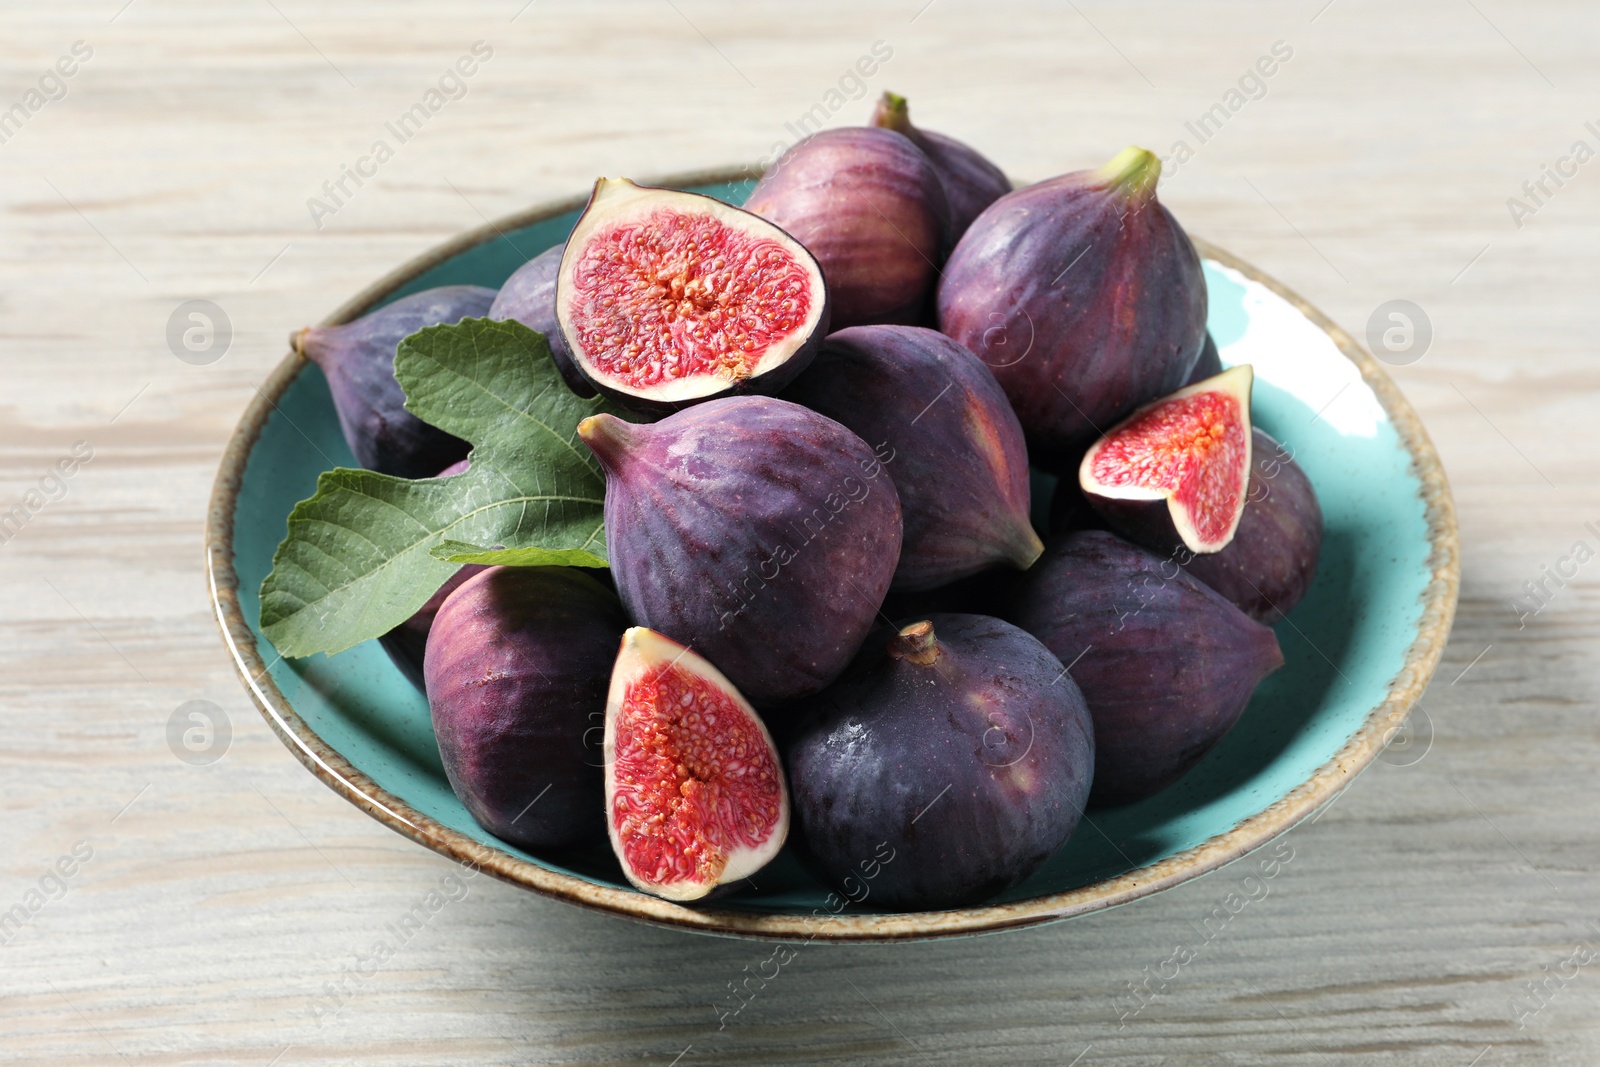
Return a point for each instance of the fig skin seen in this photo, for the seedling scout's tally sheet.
(1070, 509)
(971, 183)
(529, 296)
(358, 360)
(407, 643)
(950, 441)
(757, 532)
(872, 210)
(1085, 298)
(965, 755)
(1165, 663)
(1272, 559)
(1209, 365)
(517, 668)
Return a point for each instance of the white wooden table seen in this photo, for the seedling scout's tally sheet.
(210, 910)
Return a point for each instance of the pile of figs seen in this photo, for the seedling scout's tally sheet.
(828, 604)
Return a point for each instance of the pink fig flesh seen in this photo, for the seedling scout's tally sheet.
(694, 787)
(1177, 471)
(666, 298)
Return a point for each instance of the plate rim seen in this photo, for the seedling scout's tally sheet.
(328, 765)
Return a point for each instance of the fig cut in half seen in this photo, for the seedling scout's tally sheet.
(695, 792)
(665, 298)
(1175, 474)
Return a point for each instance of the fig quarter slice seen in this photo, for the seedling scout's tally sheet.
(695, 791)
(1175, 473)
(665, 298)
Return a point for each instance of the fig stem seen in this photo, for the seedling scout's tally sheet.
(1132, 172)
(916, 644)
(607, 436)
(892, 113)
(1026, 548)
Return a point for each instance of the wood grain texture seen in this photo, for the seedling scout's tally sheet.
(225, 907)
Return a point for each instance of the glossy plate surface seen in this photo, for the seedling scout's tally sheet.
(1359, 649)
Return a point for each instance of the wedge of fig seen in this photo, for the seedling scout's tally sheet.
(971, 183)
(1175, 474)
(1165, 663)
(1269, 564)
(871, 207)
(667, 298)
(754, 530)
(407, 643)
(958, 458)
(945, 767)
(694, 787)
(1084, 296)
(529, 296)
(1209, 365)
(516, 668)
(358, 360)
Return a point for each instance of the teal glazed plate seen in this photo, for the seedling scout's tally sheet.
(1359, 649)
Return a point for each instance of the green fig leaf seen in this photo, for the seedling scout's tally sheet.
(460, 552)
(360, 556)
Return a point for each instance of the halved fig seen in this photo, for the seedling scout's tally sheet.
(666, 298)
(695, 792)
(1175, 474)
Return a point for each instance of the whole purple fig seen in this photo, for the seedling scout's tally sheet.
(407, 643)
(753, 530)
(943, 768)
(1269, 564)
(517, 669)
(1165, 663)
(358, 360)
(871, 208)
(1084, 296)
(529, 296)
(971, 183)
(950, 441)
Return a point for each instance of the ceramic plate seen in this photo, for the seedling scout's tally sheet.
(1359, 649)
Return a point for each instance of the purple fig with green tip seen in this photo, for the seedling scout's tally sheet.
(971, 183)
(753, 530)
(1085, 298)
(871, 208)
